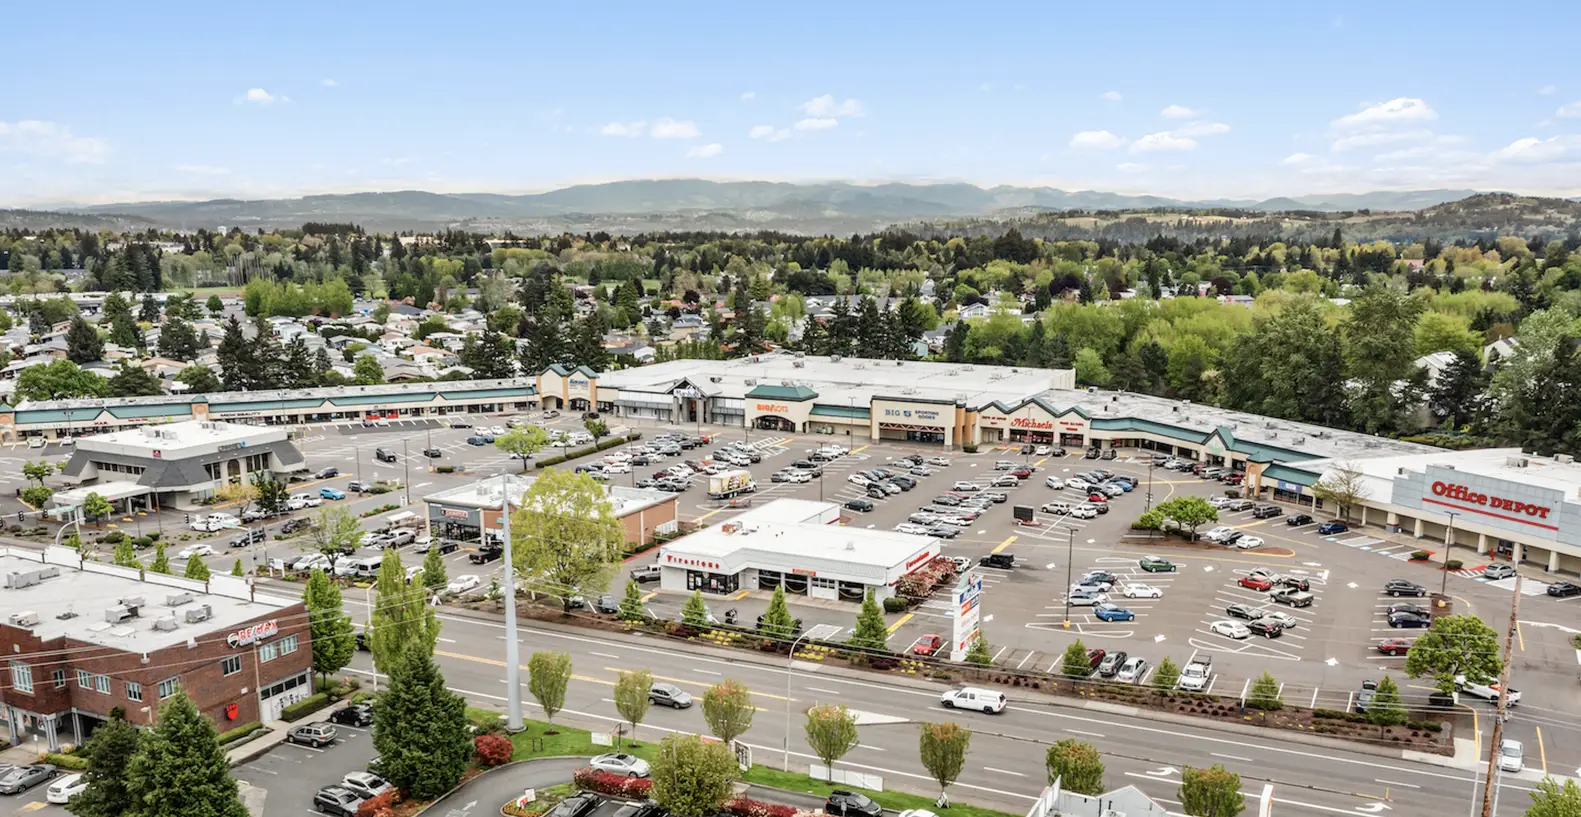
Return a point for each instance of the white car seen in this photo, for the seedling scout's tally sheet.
(215, 521)
(1081, 598)
(620, 763)
(1142, 591)
(1078, 484)
(62, 790)
(913, 529)
(1084, 511)
(1230, 629)
(366, 785)
(1280, 617)
(859, 480)
(1218, 533)
(498, 431)
(1056, 508)
(617, 468)
(413, 572)
(312, 561)
(299, 501)
(195, 550)
(1132, 670)
(965, 487)
(1054, 482)
(798, 476)
(462, 584)
(1512, 756)
(1219, 501)
(1045, 450)
(1248, 542)
(939, 461)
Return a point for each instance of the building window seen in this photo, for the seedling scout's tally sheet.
(827, 584)
(288, 645)
(168, 687)
(102, 683)
(84, 679)
(268, 652)
(134, 691)
(59, 677)
(231, 664)
(21, 677)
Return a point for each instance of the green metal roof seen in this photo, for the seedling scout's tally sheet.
(1148, 427)
(793, 393)
(566, 371)
(840, 411)
(266, 405)
(128, 412)
(55, 415)
(525, 391)
(1286, 473)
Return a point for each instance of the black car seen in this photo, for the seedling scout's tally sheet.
(337, 800)
(1029, 449)
(354, 715)
(1292, 582)
(1298, 519)
(1407, 607)
(947, 499)
(1243, 611)
(580, 804)
(1564, 590)
(1004, 560)
(943, 531)
(1265, 511)
(862, 505)
(1409, 620)
(460, 423)
(1090, 454)
(485, 555)
(433, 453)
(850, 804)
(1401, 587)
(645, 808)
(1101, 576)
(294, 525)
(1111, 664)
(607, 605)
(331, 471)
(1265, 628)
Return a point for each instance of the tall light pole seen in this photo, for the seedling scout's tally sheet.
(1489, 793)
(819, 631)
(406, 463)
(1149, 505)
(1449, 542)
(513, 718)
(1070, 551)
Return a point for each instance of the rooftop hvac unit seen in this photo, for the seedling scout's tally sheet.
(1516, 462)
(1299, 440)
(1564, 458)
(200, 613)
(135, 603)
(166, 624)
(751, 381)
(787, 382)
(27, 618)
(799, 364)
(116, 615)
(1092, 389)
(800, 355)
(178, 599)
(1273, 435)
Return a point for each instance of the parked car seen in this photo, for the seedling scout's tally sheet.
(1279, 617)
(61, 791)
(1294, 520)
(1499, 571)
(927, 645)
(1265, 511)
(861, 505)
(1401, 587)
(337, 800)
(360, 714)
(1331, 527)
(1230, 629)
(1265, 628)
(669, 695)
(1255, 582)
(1407, 607)
(620, 763)
(1294, 598)
(1111, 664)
(1085, 598)
(581, 804)
(1410, 620)
(464, 583)
(1564, 590)
(1395, 646)
(18, 779)
(1156, 564)
(316, 734)
(1112, 612)
(1142, 591)
(331, 493)
(365, 784)
(1244, 611)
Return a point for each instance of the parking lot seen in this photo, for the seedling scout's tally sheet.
(288, 775)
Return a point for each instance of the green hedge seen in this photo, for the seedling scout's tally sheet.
(66, 761)
(612, 442)
(240, 732)
(895, 604)
(306, 706)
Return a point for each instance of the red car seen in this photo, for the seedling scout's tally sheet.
(1097, 499)
(1256, 582)
(1021, 473)
(1394, 646)
(1233, 478)
(927, 645)
(1095, 657)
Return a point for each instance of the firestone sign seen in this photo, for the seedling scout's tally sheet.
(1461, 493)
(247, 636)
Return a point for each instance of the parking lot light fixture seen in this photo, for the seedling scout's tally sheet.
(1070, 550)
(817, 633)
(1449, 543)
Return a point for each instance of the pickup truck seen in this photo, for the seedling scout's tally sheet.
(1488, 692)
(1196, 675)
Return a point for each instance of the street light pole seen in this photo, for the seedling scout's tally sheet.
(406, 463)
(1449, 542)
(790, 659)
(513, 721)
(1149, 505)
(1070, 549)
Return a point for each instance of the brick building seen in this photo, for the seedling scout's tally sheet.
(82, 638)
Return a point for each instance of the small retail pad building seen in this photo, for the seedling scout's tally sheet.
(81, 638)
(796, 544)
(470, 514)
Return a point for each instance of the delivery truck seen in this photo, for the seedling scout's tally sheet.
(728, 484)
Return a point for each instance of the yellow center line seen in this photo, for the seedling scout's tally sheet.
(706, 515)
(739, 596)
(1542, 751)
(650, 595)
(899, 621)
(1005, 544)
(1476, 724)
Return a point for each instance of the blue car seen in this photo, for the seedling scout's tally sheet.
(331, 493)
(1332, 527)
(1113, 612)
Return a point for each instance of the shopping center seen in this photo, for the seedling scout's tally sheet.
(470, 514)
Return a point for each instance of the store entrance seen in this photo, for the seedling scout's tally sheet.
(770, 422)
(712, 582)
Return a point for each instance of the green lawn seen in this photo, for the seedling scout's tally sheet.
(571, 741)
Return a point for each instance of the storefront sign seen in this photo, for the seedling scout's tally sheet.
(250, 635)
(455, 514)
(675, 560)
(1070, 425)
(1461, 493)
(918, 560)
(1028, 422)
(804, 572)
(773, 408)
(912, 414)
(232, 446)
(989, 420)
(578, 384)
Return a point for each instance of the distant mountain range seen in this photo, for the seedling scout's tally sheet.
(692, 204)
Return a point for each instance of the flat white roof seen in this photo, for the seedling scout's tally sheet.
(175, 438)
(1492, 463)
(485, 493)
(775, 532)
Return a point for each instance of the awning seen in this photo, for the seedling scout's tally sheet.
(113, 491)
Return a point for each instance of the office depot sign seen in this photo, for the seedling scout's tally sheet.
(1461, 493)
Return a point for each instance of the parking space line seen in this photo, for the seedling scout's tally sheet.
(898, 622)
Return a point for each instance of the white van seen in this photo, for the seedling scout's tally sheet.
(403, 519)
(983, 700)
(359, 567)
(579, 438)
(215, 521)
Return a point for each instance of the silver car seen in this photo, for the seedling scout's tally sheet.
(621, 764)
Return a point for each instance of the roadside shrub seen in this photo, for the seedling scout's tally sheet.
(969, 448)
(380, 805)
(141, 542)
(895, 604)
(114, 537)
(72, 762)
(1452, 564)
(306, 706)
(612, 784)
(37, 495)
(379, 489)
(492, 750)
(747, 807)
(233, 735)
(445, 469)
(1419, 555)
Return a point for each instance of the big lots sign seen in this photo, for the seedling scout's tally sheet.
(1461, 493)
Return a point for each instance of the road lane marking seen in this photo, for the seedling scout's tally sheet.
(824, 691)
(899, 621)
(1088, 734)
(605, 654)
(1002, 771)
(1542, 750)
(699, 684)
(1232, 757)
(1396, 783)
(706, 671)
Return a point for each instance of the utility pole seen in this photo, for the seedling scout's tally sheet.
(1070, 550)
(513, 682)
(1449, 542)
(1149, 505)
(1488, 792)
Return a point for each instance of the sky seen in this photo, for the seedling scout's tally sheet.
(1190, 100)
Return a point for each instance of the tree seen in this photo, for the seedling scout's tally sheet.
(831, 732)
(200, 379)
(1456, 396)
(1167, 676)
(728, 709)
(420, 728)
(1265, 694)
(565, 535)
(37, 471)
(161, 563)
(691, 777)
(778, 623)
(180, 770)
(871, 633)
(548, 675)
(215, 306)
(237, 570)
(96, 506)
(334, 641)
(1191, 512)
(82, 342)
(1211, 792)
(1456, 646)
(196, 569)
(1550, 799)
(631, 608)
(695, 613)
(1380, 351)
(1075, 663)
(978, 654)
(59, 380)
(109, 752)
(435, 576)
(523, 443)
(1077, 766)
(943, 748)
(125, 554)
(1090, 370)
(149, 313)
(597, 429)
(336, 531)
(1385, 708)
(270, 493)
(1344, 486)
(131, 380)
(367, 371)
(402, 619)
(631, 697)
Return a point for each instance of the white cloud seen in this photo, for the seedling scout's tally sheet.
(1202, 129)
(705, 151)
(204, 170)
(1398, 111)
(397, 160)
(748, 96)
(1372, 140)
(259, 96)
(768, 132)
(1531, 150)
(1571, 111)
(1130, 167)
(667, 128)
(1163, 140)
(1096, 140)
(1111, 96)
(623, 129)
(328, 83)
(51, 141)
(1179, 112)
(1548, 90)
(813, 123)
(826, 106)
(1295, 159)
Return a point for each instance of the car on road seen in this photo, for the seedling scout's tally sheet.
(1296, 519)
(464, 583)
(983, 700)
(845, 803)
(1112, 612)
(64, 789)
(190, 551)
(1111, 664)
(861, 505)
(620, 763)
(1142, 591)
(1156, 564)
(360, 714)
(331, 493)
(1082, 598)
(327, 473)
(1395, 646)
(1265, 628)
(337, 800)
(1498, 571)
(1255, 582)
(669, 695)
(1564, 590)
(19, 779)
(1245, 611)
(1332, 526)
(927, 645)
(365, 784)
(1411, 620)
(1511, 756)
(1230, 629)
(316, 734)
(1401, 587)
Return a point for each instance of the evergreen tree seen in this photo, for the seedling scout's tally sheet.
(777, 619)
(266, 355)
(815, 337)
(979, 654)
(955, 343)
(328, 625)
(150, 310)
(109, 752)
(196, 569)
(367, 371)
(589, 348)
(235, 357)
(296, 369)
(124, 332)
(178, 340)
(82, 342)
(180, 769)
(871, 633)
(125, 554)
(402, 617)
(237, 570)
(161, 563)
(631, 608)
(131, 380)
(435, 576)
(695, 613)
(420, 728)
(200, 380)
(321, 364)
(215, 306)
(1456, 397)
